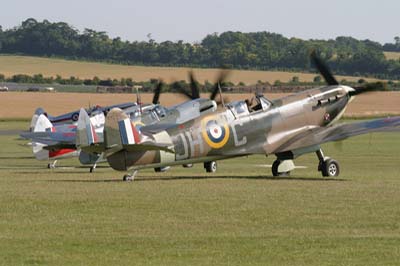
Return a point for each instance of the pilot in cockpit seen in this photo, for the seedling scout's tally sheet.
(254, 104)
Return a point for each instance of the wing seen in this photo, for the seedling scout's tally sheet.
(322, 135)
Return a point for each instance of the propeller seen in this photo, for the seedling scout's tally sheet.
(157, 92)
(323, 69)
(217, 86)
(330, 79)
(194, 85)
(366, 88)
(195, 90)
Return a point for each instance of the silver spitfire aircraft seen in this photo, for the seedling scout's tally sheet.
(286, 127)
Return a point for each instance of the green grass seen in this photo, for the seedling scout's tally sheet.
(238, 216)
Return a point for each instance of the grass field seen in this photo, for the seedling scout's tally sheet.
(392, 55)
(10, 65)
(238, 216)
(23, 104)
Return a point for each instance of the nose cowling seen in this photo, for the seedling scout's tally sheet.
(349, 90)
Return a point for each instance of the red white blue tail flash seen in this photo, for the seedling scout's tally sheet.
(129, 134)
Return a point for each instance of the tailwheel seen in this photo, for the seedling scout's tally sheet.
(275, 169)
(130, 177)
(127, 178)
(330, 168)
(52, 165)
(161, 169)
(211, 167)
(188, 165)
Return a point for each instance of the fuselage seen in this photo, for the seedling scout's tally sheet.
(239, 130)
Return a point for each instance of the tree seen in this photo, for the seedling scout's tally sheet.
(295, 80)
(255, 50)
(1, 37)
(317, 79)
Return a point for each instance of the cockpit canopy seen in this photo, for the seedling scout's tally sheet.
(238, 108)
(257, 103)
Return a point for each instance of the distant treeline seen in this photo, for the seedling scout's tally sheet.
(259, 50)
(177, 86)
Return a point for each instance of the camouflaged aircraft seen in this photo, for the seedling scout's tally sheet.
(72, 117)
(53, 142)
(288, 128)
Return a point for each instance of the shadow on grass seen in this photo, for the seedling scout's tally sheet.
(17, 157)
(172, 178)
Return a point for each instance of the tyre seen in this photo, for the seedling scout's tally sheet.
(330, 168)
(127, 178)
(275, 167)
(211, 167)
(161, 169)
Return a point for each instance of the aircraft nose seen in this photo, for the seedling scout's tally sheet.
(349, 90)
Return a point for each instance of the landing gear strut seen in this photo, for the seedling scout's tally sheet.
(130, 177)
(211, 167)
(52, 165)
(327, 166)
(93, 167)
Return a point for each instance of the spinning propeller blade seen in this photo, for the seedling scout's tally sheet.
(157, 92)
(323, 69)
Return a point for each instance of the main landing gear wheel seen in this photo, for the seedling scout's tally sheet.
(327, 166)
(275, 171)
(211, 167)
(330, 168)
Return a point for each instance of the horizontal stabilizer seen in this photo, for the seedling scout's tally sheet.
(94, 148)
(60, 146)
(147, 146)
(142, 147)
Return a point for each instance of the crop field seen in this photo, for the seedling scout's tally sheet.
(237, 216)
(392, 55)
(10, 65)
(23, 104)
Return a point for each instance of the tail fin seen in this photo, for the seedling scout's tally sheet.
(35, 117)
(120, 133)
(43, 124)
(119, 130)
(86, 134)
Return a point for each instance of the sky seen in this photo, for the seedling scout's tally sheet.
(191, 21)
